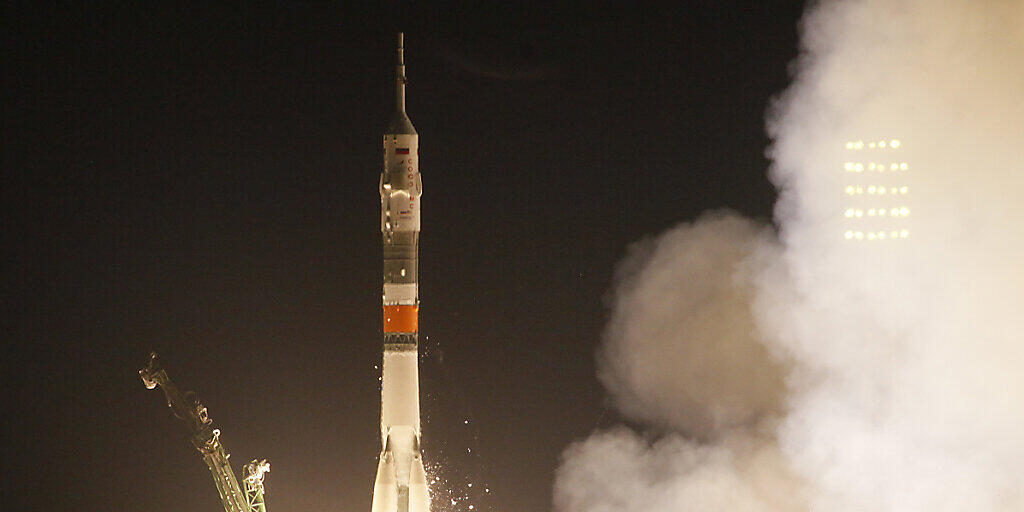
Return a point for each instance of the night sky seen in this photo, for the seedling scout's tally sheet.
(202, 182)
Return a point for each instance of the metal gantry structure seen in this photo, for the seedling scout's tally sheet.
(206, 439)
(253, 483)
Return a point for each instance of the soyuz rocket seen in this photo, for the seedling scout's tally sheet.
(401, 484)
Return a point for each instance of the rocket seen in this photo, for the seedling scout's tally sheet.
(401, 484)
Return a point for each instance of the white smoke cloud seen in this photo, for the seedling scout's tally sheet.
(683, 355)
(619, 471)
(903, 358)
(914, 347)
(683, 349)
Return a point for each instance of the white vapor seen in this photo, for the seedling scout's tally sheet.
(682, 330)
(683, 355)
(812, 372)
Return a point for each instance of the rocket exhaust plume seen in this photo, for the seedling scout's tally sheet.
(899, 357)
(401, 483)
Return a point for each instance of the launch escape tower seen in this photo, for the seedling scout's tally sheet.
(875, 188)
(206, 439)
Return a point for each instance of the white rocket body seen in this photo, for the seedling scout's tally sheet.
(401, 484)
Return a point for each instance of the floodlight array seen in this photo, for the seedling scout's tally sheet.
(875, 191)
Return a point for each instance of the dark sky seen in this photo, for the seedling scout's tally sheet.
(203, 182)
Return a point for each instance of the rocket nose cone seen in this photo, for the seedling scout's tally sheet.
(400, 125)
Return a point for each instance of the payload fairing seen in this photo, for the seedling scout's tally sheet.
(401, 484)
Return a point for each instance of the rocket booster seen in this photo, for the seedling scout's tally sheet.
(401, 484)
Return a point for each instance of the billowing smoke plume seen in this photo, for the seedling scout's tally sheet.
(913, 349)
(833, 369)
(683, 354)
(682, 330)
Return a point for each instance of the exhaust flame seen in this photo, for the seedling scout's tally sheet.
(819, 371)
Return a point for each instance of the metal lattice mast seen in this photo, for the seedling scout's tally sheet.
(204, 437)
(253, 482)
